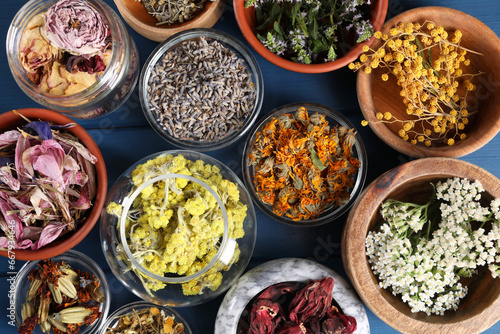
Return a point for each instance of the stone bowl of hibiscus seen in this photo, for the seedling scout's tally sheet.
(53, 184)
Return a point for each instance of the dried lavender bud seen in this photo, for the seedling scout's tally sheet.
(201, 91)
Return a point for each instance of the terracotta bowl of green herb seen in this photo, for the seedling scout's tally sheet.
(420, 247)
(53, 178)
(442, 102)
(304, 164)
(334, 40)
(166, 22)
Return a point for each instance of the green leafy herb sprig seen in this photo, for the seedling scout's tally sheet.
(311, 31)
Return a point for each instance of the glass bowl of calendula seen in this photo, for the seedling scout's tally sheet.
(304, 164)
(144, 317)
(178, 228)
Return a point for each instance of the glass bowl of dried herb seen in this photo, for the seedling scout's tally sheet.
(201, 89)
(148, 317)
(426, 85)
(62, 293)
(304, 164)
(179, 228)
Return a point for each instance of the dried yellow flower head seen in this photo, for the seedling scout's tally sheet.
(430, 67)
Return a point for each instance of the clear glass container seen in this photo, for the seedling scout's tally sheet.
(116, 229)
(76, 260)
(232, 44)
(133, 307)
(333, 118)
(107, 94)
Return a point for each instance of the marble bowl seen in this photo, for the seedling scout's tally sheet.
(374, 95)
(410, 183)
(285, 270)
(141, 21)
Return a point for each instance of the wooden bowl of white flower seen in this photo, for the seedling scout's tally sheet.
(421, 246)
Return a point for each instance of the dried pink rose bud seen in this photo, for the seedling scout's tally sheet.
(313, 301)
(76, 27)
(265, 317)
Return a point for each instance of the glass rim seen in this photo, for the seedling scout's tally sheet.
(127, 203)
(239, 49)
(331, 213)
(91, 93)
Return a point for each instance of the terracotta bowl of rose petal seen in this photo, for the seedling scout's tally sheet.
(247, 23)
(11, 121)
(136, 15)
(375, 95)
(410, 182)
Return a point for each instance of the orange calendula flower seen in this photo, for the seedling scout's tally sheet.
(306, 165)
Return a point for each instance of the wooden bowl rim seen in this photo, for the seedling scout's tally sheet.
(356, 228)
(213, 10)
(378, 19)
(366, 103)
(60, 246)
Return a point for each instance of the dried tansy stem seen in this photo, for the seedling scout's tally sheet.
(302, 166)
(56, 303)
(429, 65)
(147, 321)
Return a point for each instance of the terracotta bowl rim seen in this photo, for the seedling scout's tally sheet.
(393, 140)
(239, 11)
(59, 247)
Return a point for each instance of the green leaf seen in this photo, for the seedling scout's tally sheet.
(316, 160)
(278, 29)
(331, 53)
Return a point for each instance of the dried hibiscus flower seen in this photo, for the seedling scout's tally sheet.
(296, 308)
(47, 182)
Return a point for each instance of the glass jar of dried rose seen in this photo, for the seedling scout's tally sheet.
(72, 56)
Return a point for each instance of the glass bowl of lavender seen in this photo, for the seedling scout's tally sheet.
(201, 89)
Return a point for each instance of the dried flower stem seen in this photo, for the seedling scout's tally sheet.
(429, 68)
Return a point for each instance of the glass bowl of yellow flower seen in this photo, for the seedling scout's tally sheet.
(304, 164)
(178, 228)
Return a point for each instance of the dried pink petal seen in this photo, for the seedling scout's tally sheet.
(9, 180)
(9, 138)
(49, 234)
(46, 158)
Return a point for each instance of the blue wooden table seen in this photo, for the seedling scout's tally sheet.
(125, 137)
